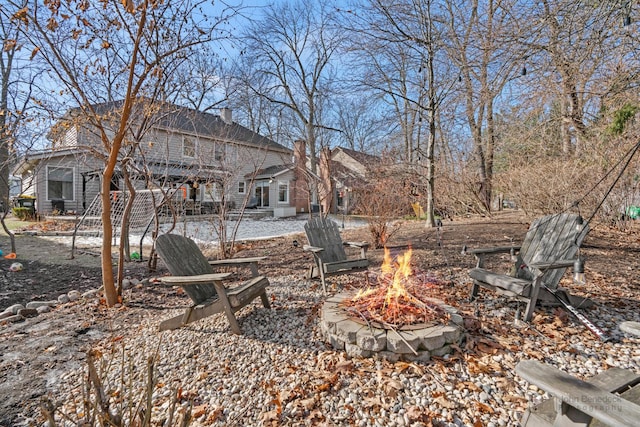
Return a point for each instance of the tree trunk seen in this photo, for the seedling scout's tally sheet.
(431, 143)
(110, 292)
(124, 251)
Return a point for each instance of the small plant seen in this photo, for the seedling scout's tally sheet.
(382, 203)
(23, 214)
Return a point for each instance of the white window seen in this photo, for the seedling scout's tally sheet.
(242, 187)
(188, 147)
(219, 153)
(283, 192)
(59, 183)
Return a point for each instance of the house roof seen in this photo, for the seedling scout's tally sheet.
(33, 157)
(344, 176)
(189, 121)
(361, 157)
(271, 171)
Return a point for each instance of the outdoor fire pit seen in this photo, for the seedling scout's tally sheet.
(398, 320)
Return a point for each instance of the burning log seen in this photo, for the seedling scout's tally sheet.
(401, 297)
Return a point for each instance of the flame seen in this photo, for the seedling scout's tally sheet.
(401, 272)
(400, 297)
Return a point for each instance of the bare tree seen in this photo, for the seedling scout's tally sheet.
(403, 44)
(294, 45)
(17, 108)
(204, 86)
(488, 55)
(573, 43)
(361, 127)
(109, 51)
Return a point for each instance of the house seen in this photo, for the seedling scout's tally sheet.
(349, 169)
(340, 171)
(205, 158)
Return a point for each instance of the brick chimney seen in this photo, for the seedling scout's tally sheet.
(300, 153)
(226, 115)
(300, 188)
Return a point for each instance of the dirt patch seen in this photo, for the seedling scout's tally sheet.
(38, 349)
(48, 270)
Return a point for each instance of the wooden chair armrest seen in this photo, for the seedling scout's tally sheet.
(357, 244)
(252, 263)
(481, 253)
(198, 279)
(313, 249)
(585, 397)
(561, 263)
(496, 250)
(363, 246)
(236, 262)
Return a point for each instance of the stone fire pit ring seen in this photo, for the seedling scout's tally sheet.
(361, 339)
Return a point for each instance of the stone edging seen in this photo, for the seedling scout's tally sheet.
(360, 340)
(20, 312)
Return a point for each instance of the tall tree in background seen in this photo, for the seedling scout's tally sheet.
(203, 86)
(483, 45)
(114, 50)
(403, 44)
(257, 112)
(10, 116)
(294, 45)
(362, 128)
(16, 104)
(575, 45)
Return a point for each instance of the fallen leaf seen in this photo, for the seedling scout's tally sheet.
(344, 366)
(199, 410)
(391, 387)
(467, 385)
(511, 398)
(417, 414)
(444, 402)
(308, 404)
(484, 408)
(271, 416)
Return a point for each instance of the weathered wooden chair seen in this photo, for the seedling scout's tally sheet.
(610, 398)
(328, 251)
(550, 246)
(195, 274)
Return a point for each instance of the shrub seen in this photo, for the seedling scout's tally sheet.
(23, 214)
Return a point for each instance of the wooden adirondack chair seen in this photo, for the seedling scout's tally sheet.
(550, 246)
(328, 251)
(192, 271)
(610, 398)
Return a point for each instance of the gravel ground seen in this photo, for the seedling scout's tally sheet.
(280, 371)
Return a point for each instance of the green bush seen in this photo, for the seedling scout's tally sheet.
(23, 214)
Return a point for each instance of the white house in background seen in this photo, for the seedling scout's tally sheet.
(201, 155)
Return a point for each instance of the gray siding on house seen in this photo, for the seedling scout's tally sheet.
(36, 183)
(43, 201)
(239, 159)
(225, 153)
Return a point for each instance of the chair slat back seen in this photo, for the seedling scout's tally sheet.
(182, 257)
(551, 238)
(324, 233)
